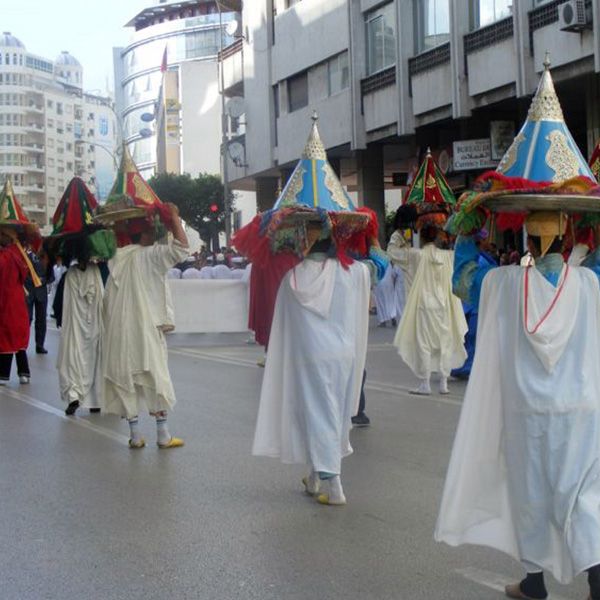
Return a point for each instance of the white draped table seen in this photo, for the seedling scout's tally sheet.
(209, 305)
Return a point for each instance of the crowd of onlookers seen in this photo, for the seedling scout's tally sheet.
(204, 264)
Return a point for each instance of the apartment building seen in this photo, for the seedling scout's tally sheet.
(50, 129)
(391, 78)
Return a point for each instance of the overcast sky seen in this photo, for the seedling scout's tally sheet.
(88, 29)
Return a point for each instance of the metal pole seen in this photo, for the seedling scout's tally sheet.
(224, 138)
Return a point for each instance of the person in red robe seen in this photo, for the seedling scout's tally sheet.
(14, 317)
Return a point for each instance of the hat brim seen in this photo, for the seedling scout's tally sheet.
(572, 204)
(115, 216)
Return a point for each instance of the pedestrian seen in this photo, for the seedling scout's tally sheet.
(136, 313)
(37, 296)
(524, 474)
(14, 268)
(84, 248)
(430, 336)
(318, 341)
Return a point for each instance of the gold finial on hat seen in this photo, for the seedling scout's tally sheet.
(545, 105)
(314, 149)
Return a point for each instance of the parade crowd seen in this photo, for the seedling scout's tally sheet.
(522, 327)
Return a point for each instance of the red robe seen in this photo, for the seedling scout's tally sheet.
(264, 285)
(14, 318)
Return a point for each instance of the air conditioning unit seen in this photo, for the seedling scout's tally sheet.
(572, 16)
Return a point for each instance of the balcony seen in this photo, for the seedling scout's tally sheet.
(35, 168)
(379, 98)
(482, 49)
(36, 188)
(231, 60)
(564, 46)
(431, 79)
(32, 107)
(34, 148)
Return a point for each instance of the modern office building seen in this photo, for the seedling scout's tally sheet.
(391, 78)
(50, 129)
(180, 39)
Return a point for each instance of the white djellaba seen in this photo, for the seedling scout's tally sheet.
(524, 476)
(430, 336)
(78, 360)
(314, 368)
(136, 313)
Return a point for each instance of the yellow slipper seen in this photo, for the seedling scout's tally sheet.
(172, 443)
(137, 445)
(324, 499)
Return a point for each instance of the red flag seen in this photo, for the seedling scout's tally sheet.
(163, 64)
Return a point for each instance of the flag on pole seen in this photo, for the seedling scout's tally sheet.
(163, 64)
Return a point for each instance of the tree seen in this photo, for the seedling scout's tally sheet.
(194, 197)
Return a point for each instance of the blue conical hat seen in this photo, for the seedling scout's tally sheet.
(544, 149)
(313, 183)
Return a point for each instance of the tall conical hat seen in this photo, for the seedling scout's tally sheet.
(130, 197)
(129, 182)
(430, 185)
(313, 182)
(11, 212)
(75, 211)
(595, 161)
(544, 149)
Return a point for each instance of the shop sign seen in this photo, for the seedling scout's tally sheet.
(472, 155)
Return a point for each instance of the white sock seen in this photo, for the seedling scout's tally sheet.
(313, 482)
(134, 430)
(336, 492)
(162, 430)
(443, 385)
(424, 387)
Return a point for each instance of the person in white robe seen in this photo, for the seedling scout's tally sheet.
(430, 335)
(405, 261)
(524, 475)
(136, 313)
(78, 360)
(314, 368)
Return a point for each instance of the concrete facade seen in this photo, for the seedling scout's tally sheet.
(51, 130)
(432, 86)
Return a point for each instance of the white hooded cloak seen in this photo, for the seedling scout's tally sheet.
(524, 476)
(430, 336)
(78, 361)
(315, 363)
(137, 311)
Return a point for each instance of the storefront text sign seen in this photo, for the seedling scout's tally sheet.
(472, 155)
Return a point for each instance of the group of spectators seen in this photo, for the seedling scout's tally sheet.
(226, 264)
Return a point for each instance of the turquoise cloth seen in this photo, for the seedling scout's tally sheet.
(469, 271)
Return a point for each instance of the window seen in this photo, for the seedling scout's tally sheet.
(490, 11)
(69, 166)
(50, 142)
(50, 162)
(297, 88)
(338, 73)
(59, 108)
(50, 104)
(381, 38)
(290, 3)
(50, 122)
(433, 24)
(69, 147)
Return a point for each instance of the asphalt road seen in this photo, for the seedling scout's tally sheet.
(84, 517)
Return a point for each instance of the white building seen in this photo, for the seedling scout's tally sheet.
(187, 35)
(50, 129)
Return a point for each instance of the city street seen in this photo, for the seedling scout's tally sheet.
(86, 517)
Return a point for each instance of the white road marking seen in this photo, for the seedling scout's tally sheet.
(122, 439)
(373, 385)
(493, 581)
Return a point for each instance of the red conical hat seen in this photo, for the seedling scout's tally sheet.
(74, 212)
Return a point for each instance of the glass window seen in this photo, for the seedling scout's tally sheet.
(490, 11)
(381, 38)
(433, 23)
(297, 91)
(338, 72)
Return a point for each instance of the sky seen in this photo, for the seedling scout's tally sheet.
(88, 29)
